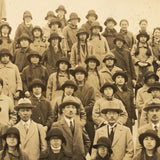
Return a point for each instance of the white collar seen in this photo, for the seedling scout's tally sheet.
(28, 122)
(68, 120)
(38, 96)
(153, 125)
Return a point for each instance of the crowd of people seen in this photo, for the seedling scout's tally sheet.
(69, 93)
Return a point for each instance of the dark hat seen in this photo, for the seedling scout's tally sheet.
(154, 103)
(92, 57)
(144, 34)
(82, 30)
(150, 133)
(91, 13)
(119, 37)
(24, 103)
(110, 19)
(53, 36)
(111, 106)
(50, 14)
(109, 55)
(5, 51)
(39, 28)
(80, 69)
(27, 14)
(104, 141)
(63, 59)
(36, 82)
(55, 132)
(155, 85)
(61, 7)
(74, 15)
(33, 53)
(24, 36)
(96, 24)
(69, 100)
(143, 20)
(55, 21)
(122, 73)
(4, 23)
(150, 74)
(69, 83)
(107, 84)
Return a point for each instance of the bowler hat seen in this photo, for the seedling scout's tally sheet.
(50, 14)
(36, 82)
(119, 37)
(91, 13)
(155, 85)
(55, 21)
(5, 51)
(24, 36)
(5, 24)
(144, 34)
(109, 55)
(33, 53)
(69, 83)
(38, 28)
(107, 84)
(150, 133)
(92, 57)
(82, 30)
(27, 14)
(53, 36)
(150, 74)
(74, 15)
(55, 132)
(154, 103)
(96, 24)
(61, 7)
(110, 19)
(79, 69)
(63, 59)
(122, 73)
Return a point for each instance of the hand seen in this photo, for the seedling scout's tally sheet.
(17, 94)
(27, 94)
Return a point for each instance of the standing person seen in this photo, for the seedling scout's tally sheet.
(12, 146)
(91, 17)
(32, 134)
(77, 140)
(110, 32)
(12, 83)
(126, 95)
(82, 49)
(99, 42)
(124, 59)
(128, 36)
(3, 16)
(119, 135)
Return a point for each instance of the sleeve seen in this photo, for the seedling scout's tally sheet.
(87, 142)
(17, 33)
(133, 74)
(139, 101)
(107, 49)
(133, 106)
(54, 105)
(82, 114)
(66, 38)
(24, 80)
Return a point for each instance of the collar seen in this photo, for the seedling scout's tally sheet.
(15, 153)
(8, 65)
(123, 31)
(38, 96)
(55, 149)
(28, 122)
(141, 45)
(68, 120)
(110, 127)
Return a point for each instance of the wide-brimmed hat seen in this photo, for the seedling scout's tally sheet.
(144, 34)
(107, 84)
(74, 15)
(81, 31)
(5, 51)
(5, 24)
(38, 28)
(109, 55)
(27, 14)
(154, 103)
(50, 14)
(69, 100)
(154, 86)
(34, 53)
(143, 20)
(96, 24)
(57, 133)
(150, 133)
(150, 74)
(120, 38)
(53, 36)
(69, 83)
(63, 59)
(36, 82)
(110, 19)
(122, 73)
(111, 106)
(55, 21)
(92, 13)
(24, 103)
(79, 69)
(92, 57)
(24, 36)
(61, 7)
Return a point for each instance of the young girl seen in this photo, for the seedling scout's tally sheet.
(11, 149)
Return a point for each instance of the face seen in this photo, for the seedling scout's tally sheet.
(24, 43)
(143, 39)
(37, 90)
(37, 33)
(69, 90)
(82, 37)
(149, 143)
(124, 25)
(63, 66)
(54, 27)
(109, 62)
(69, 111)
(11, 140)
(55, 142)
(96, 30)
(102, 151)
(27, 19)
(5, 30)
(54, 42)
(120, 80)
(112, 117)
(61, 13)
(34, 59)
(143, 25)
(108, 92)
(110, 25)
(92, 64)
(154, 115)
(156, 33)
(155, 93)
(119, 43)
(74, 22)
(151, 80)
(91, 18)
(79, 76)
(25, 114)
(49, 18)
(5, 59)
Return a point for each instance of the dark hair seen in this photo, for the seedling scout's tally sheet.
(92, 35)
(1, 81)
(157, 28)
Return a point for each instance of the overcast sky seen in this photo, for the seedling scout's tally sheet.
(133, 10)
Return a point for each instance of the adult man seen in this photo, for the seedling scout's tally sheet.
(120, 136)
(77, 141)
(32, 135)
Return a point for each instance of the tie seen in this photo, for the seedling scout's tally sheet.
(26, 127)
(156, 129)
(71, 127)
(111, 135)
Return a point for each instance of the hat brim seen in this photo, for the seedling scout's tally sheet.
(95, 15)
(61, 9)
(108, 85)
(151, 75)
(59, 61)
(153, 88)
(79, 19)
(56, 22)
(140, 35)
(120, 39)
(66, 85)
(94, 59)
(58, 136)
(10, 28)
(2, 54)
(100, 27)
(58, 37)
(109, 148)
(83, 33)
(30, 55)
(105, 110)
(121, 74)
(29, 106)
(105, 23)
(73, 72)
(27, 38)
(151, 107)
(104, 60)
(34, 84)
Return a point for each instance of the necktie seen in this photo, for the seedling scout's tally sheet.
(111, 135)
(26, 127)
(71, 127)
(156, 128)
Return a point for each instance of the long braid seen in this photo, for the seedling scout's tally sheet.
(60, 49)
(57, 80)
(86, 47)
(4, 151)
(137, 50)
(78, 46)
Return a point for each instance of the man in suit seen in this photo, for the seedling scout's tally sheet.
(32, 135)
(77, 140)
(120, 136)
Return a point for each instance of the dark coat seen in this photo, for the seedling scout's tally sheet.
(87, 27)
(3, 129)
(42, 113)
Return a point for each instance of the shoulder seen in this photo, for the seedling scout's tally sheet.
(144, 128)
(26, 68)
(44, 154)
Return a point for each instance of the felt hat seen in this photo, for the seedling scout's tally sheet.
(53, 36)
(38, 28)
(5, 51)
(69, 83)
(107, 84)
(144, 34)
(55, 21)
(110, 19)
(109, 55)
(36, 82)
(92, 13)
(61, 7)
(119, 37)
(24, 36)
(27, 14)
(50, 14)
(33, 53)
(96, 24)
(150, 74)
(79, 69)
(74, 15)
(122, 73)
(82, 30)
(92, 57)
(4, 23)
(63, 59)
(154, 103)
(155, 85)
